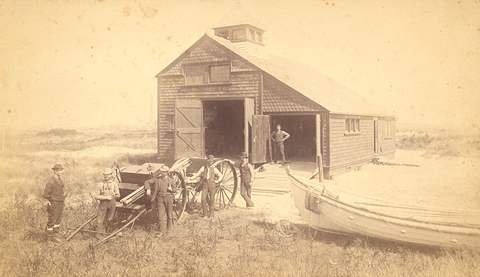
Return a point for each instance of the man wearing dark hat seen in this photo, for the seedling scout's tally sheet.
(246, 179)
(54, 193)
(106, 193)
(278, 138)
(163, 192)
(209, 185)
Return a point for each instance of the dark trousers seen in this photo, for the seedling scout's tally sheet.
(106, 210)
(246, 190)
(209, 189)
(165, 212)
(55, 212)
(278, 149)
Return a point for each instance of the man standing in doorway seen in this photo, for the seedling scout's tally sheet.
(209, 185)
(106, 193)
(54, 193)
(278, 138)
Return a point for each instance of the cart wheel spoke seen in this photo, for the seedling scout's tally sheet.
(227, 189)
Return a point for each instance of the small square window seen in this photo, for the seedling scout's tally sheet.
(352, 126)
(194, 75)
(219, 74)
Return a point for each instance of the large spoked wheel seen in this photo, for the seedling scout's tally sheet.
(227, 186)
(180, 197)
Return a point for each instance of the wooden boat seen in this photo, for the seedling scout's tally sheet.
(346, 213)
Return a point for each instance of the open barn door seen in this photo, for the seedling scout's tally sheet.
(188, 128)
(260, 138)
(249, 109)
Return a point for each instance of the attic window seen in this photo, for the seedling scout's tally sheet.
(219, 73)
(207, 74)
(195, 75)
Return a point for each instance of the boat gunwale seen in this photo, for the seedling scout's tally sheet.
(418, 224)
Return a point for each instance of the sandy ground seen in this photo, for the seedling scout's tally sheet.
(452, 182)
(438, 181)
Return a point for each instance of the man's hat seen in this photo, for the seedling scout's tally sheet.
(210, 158)
(58, 167)
(243, 155)
(107, 171)
(164, 168)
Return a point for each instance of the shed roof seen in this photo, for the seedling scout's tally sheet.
(305, 79)
(302, 78)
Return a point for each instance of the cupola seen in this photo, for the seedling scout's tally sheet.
(240, 28)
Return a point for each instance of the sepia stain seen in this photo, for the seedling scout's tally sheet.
(9, 111)
(148, 11)
(123, 94)
(127, 11)
(134, 64)
(153, 51)
(169, 37)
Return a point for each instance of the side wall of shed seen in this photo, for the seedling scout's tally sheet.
(349, 151)
(387, 143)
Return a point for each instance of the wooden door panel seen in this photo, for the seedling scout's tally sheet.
(260, 138)
(188, 128)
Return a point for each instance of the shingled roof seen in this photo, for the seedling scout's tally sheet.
(315, 91)
(307, 81)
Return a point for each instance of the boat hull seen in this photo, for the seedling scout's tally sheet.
(329, 214)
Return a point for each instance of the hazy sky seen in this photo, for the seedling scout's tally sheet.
(71, 63)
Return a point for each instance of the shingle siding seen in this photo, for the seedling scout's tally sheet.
(348, 149)
(244, 83)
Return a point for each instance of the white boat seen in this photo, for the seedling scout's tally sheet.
(347, 213)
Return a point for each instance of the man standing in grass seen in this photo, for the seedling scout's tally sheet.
(163, 192)
(246, 179)
(54, 193)
(106, 193)
(209, 185)
(278, 138)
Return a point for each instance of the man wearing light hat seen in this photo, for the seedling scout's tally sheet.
(163, 192)
(106, 193)
(54, 193)
(209, 185)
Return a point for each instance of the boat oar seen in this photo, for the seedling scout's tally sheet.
(76, 231)
(124, 226)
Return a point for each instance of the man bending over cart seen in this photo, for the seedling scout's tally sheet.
(208, 185)
(163, 192)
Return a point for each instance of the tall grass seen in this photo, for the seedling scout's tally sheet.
(445, 145)
(231, 244)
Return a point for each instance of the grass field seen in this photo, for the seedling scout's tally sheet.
(237, 242)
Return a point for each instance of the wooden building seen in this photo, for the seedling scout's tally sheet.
(225, 94)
